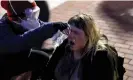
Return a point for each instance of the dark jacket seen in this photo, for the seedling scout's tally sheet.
(98, 69)
(15, 45)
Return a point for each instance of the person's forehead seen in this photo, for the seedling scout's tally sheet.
(76, 30)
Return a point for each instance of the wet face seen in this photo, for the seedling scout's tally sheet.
(78, 39)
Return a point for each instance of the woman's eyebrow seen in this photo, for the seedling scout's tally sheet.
(76, 29)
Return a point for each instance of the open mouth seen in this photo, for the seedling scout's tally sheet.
(72, 43)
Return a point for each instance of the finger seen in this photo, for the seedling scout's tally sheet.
(66, 31)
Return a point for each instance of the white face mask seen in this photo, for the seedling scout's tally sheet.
(31, 21)
(29, 12)
(31, 16)
(32, 13)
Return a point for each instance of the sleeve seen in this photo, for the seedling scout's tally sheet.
(29, 39)
(102, 68)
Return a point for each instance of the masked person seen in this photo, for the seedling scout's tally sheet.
(21, 30)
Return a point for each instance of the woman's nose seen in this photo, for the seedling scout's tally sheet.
(70, 36)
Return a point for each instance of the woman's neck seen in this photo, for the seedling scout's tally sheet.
(77, 55)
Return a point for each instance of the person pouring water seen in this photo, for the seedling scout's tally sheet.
(21, 30)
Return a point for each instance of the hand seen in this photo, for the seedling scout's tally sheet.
(67, 31)
(60, 25)
(48, 44)
(23, 76)
(54, 41)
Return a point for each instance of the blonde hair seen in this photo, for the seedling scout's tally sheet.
(86, 23)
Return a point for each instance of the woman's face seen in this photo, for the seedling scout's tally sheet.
(77, 36)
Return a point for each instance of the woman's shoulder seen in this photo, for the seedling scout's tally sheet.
(104, 48)
(101, 55)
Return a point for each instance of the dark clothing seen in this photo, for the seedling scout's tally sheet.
(98, 69)
(15, 45)
(44, 10)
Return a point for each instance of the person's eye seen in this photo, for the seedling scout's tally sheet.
(76, 32)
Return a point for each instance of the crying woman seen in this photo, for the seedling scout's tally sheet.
(83, 55)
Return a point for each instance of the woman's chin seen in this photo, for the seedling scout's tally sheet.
(73, 48)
